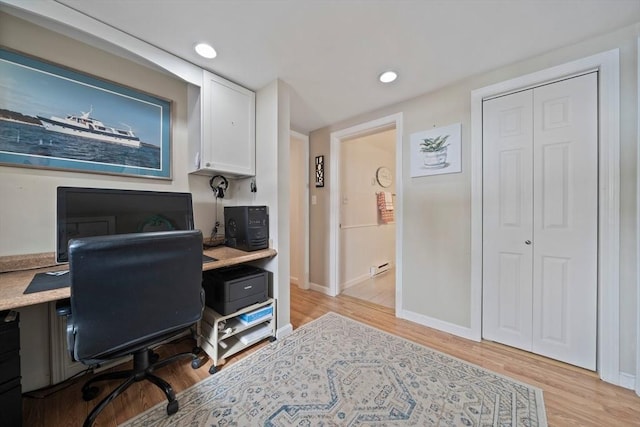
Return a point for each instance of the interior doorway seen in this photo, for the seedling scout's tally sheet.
(367, 220)
(358, 252)
(299, 209)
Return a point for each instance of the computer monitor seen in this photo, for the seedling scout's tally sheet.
(85, 212)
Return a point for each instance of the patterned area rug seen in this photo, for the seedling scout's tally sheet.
(335, 371)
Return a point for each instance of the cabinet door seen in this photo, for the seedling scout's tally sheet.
(540, 223)
(507, 219)
(565, 158)
(228, 121)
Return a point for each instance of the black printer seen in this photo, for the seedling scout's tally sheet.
(229, 289)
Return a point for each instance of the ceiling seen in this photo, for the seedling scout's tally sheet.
(331, 52)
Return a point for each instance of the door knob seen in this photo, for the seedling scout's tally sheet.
(527, 242)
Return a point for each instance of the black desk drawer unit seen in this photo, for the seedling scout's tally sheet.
(10, 387)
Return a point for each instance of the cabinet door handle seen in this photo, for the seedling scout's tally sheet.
(527, 242)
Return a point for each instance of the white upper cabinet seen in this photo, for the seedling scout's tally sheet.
(221, 128)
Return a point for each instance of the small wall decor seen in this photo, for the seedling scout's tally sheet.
(319, 171)
(436, 151)
(384, 176)
(57, 118)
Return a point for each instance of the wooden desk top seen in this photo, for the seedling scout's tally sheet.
(229, 256)
(13, 284)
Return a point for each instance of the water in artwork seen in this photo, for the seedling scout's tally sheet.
(37, 143)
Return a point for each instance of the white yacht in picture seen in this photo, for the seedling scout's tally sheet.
(87, 127)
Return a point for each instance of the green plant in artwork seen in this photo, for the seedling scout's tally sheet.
(430, 145)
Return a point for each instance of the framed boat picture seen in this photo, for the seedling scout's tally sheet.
(57, 118)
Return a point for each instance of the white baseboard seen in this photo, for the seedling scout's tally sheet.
(627, 381)
(294, 280)
(438, 324)
(354, 281)
(284, 331)
(319, 288)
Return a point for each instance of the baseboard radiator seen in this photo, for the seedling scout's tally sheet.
(376, 270)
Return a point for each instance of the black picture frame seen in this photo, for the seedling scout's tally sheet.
(319, 171)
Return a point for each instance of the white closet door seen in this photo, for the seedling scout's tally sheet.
(507, 219)
(540, 205)
(565, 159)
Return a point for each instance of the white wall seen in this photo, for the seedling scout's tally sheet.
(364, 240)
(296, 191)
(437, 209)
(272, 177)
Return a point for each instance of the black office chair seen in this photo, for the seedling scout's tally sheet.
(129, 292)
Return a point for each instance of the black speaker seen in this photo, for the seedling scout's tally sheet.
(246, 227)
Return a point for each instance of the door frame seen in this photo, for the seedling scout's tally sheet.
(303, 282)
(608, 65)
(637, 378)
(334, 197)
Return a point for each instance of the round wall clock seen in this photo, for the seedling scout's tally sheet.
(384, 176)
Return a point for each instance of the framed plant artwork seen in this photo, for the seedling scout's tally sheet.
(436, 151)
(57, 118)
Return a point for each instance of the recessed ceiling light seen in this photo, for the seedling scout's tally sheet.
(388, 76)
(205, 50)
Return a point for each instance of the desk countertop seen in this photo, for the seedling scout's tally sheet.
(13, 283)
(229, 256)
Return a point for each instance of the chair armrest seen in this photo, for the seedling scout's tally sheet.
(202, 299)
(63, 307)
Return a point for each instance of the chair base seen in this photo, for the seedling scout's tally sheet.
(143, 368)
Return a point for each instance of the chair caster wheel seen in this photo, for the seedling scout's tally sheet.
(90, 393)
(172, 407)
(196, 363)
(196, 350)
(272, 339)
(213, 370)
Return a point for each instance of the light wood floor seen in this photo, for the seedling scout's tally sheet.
(379, 290)
(573, 397)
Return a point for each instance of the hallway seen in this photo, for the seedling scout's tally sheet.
(379, 289)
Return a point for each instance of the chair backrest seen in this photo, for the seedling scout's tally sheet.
(131, 290)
